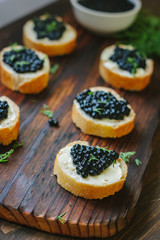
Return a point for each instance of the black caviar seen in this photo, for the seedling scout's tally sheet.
(100, 105)
(112, 6)
(92, 160)
(23, 60)
(49, 27)
(128, 60)
(53, 123)
(3, 110)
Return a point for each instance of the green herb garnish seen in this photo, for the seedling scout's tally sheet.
(92, 157)
(17, 144)
(13, 44)
(138, 162)
(98, 110)
(126, 156)
(144, 34)
(104, 148)
(46, 111)
(130, 60)
(114, 162)
(134, 68)
(60, 218)
(21, 63)
(45, 106)
(4, 157)
(54, 68)
(33, 100)
(91, 93)
(134, 64)
(51, 26)
(106, 101)
(45, 57)
(47, 15)
(12, 57)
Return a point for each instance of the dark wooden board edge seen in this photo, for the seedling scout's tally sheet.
(5, 213)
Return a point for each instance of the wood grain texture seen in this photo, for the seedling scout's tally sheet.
(29, 193)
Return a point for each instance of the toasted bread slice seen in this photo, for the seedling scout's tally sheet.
(25, 82)
(9, 127)
(120, 78)
(111, 180)
(62, 46)
(105, 127)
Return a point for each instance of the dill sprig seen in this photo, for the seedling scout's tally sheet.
(21, 63)
(18, 144)
(98, 110)
(104, 148)
(104, 102)
(91, 93)
(54, 68)
(13, 44)
(4, 157)
(144, 34)
(62, 220)
(138, 162)
(127, 155)
(92, 157)
(46, 111)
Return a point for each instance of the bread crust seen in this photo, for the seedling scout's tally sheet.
(56, 48)
(10, 132)
(121, 81)
(33, 85)
(89, 126)
(87, 190)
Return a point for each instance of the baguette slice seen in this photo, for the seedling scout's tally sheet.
(111, 180)
(120, 78)
(62, 46)
(105, 127)
(9, 127)
(25, 82)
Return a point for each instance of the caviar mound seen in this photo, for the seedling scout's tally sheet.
(105, 184)
(23, 60)
(24, 70)
(3, 109)
(49, 27)
(101, 105)
(92, 160)
(128, 59)
(106, 125)
(9, 126)
(58, 39)
(124, 67)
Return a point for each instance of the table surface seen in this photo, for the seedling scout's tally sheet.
(146, 222)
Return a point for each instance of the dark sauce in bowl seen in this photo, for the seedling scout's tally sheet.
(111, 6)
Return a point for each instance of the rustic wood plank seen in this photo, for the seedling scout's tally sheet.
(29, 193)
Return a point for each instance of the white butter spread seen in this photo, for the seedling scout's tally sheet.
(108, 176)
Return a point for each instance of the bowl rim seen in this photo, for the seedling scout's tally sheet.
(136, 8)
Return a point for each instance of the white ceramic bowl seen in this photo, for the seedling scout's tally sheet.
(103, 22)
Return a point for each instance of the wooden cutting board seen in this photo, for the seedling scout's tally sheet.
(29, 193)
